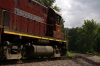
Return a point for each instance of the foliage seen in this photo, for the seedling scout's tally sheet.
(72, 38)
(56, 8)
(69, 54)
(47, 3)
(85, 39)
(62, 25)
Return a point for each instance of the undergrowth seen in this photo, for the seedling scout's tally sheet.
(69, 54)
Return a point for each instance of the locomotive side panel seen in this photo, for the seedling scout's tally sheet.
(15, 22)
(31, 26)
(24, 24)
(23, 5)
(30, 8)
(37, 28)
(11, 20)
(19, 21)
(58, 32)
(7, 5)
(38, 16)
(42, 29)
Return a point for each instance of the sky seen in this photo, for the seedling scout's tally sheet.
(74, 12)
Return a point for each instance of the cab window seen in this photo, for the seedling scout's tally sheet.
(17, 3)
(29, 1)
(44, 10)
(6, 18)
(58, 19)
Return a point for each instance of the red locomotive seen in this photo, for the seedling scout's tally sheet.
(29, 29)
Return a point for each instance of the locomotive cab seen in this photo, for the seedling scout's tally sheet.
(54, 24)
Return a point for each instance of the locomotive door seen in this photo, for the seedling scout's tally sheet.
(50, 23)
(49, 30)
(4, 20)
(1, 18)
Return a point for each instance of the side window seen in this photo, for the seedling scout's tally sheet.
(0, 15)
(58, 19)
(6, 18)
(51, 17)
(17, 3)
(44, 10)
(29, 1)
(33, 3)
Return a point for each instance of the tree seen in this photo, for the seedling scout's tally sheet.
(62, 26)
(56, 8)
(49, 3)
(97, 46)
(86, 38)
(90, 30)
(73, 38)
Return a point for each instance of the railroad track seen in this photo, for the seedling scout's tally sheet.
(22, 61)
(76, 57)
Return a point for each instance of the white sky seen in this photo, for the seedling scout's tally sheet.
(74, 12)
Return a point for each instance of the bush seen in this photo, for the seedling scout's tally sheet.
(69, 54)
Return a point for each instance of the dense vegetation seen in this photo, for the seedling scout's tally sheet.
(85, 39)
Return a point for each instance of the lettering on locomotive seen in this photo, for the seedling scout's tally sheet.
(28, 15)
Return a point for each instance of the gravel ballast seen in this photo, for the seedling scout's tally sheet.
(86, 61)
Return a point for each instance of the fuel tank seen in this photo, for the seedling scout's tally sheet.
(41, 50)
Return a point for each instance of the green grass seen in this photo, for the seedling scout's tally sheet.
(93, 53)
(69, 54)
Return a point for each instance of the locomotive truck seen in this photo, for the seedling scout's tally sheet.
(30, 29)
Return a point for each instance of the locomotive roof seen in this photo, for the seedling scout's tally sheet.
(58, 13)
(40, 4)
